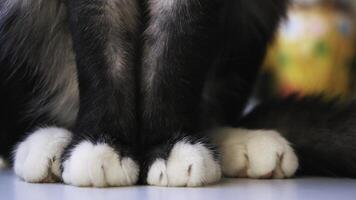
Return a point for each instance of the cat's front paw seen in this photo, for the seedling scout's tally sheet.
(37, 158)
(255, 153)
(189, 165)
(98, 165)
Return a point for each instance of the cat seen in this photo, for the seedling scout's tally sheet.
(120, 92)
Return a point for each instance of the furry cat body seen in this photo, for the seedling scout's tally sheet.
(136, 83)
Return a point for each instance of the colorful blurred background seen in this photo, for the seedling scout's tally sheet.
(314, 52)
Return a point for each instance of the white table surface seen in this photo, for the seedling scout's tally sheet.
(11, 188)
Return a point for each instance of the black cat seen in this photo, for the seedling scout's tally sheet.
(138, 83)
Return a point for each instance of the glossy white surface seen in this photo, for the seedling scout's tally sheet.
(11, 188)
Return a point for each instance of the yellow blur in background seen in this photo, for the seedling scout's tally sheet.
(314, 52)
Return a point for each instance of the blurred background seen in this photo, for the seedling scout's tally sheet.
(314, 52)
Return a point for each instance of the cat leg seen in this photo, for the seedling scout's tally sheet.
(255, 153)
(102, 151)
(38, 87)
(245, 153)
(178, 50)
(231, 81)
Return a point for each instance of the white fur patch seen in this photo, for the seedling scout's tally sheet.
(37, 158)
(98, 166)
(255, 153)
(189, 165)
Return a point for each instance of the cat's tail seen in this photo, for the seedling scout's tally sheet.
(322, 134)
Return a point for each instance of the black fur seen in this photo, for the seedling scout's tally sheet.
(204, 81)
(131, 73)
(107, 110)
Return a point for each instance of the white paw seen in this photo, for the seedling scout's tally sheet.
(188, 165)
(255, 153)
(98, 165)
(37, 158)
